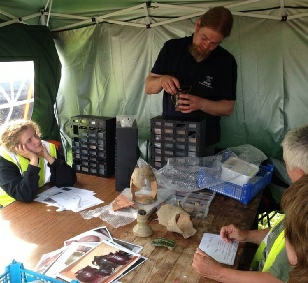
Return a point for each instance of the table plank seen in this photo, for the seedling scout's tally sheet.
(29, 230)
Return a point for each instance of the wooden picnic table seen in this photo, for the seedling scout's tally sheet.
(29, 230)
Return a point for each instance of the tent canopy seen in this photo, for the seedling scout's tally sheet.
(69, 14)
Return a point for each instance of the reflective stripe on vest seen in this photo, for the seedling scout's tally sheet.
(277, 247)
(23, 163)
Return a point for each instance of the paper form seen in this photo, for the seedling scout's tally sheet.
(217, 248)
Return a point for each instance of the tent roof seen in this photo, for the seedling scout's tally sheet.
(69, 14)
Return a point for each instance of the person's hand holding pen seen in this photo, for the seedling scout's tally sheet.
(231, 232)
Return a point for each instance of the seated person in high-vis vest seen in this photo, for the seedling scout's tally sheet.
(270, 264)
(294, 203)
(27, 163)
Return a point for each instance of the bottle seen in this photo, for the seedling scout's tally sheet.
(142, 228)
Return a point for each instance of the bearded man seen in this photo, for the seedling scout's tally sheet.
(198, 63)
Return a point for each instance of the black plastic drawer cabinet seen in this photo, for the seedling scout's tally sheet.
(176, 138)
(93, 139)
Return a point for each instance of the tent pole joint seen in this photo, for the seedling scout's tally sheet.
(149, 4)
(148, 26)
(284, 18)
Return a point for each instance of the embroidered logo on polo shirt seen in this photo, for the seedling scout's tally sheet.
(207, 82)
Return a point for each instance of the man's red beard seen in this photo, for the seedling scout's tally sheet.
(197, 54)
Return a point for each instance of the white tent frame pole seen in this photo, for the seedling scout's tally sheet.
(177, 19)
(69, 16)
(120, 12)
(46, 6)
(240, 3)
(88, 20)
(7, 14)
(298, 16)
(185, 8)
(100, 17)
(49, 11)
(123, 23)
(16, 20)
(20, 20)
(282, 9)
(199, 14)
(85, 22)
(156, 5)
(146, 12)
(195, 12)
(252, 15)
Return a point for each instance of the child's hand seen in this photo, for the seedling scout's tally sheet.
(23, 151)
(45, 154)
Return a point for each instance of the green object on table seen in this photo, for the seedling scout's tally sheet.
(164, 242)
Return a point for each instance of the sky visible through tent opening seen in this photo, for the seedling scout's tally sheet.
(16, 90)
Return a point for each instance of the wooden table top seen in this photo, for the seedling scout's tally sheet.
(29, 230)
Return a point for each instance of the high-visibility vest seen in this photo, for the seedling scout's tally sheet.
(22, 163)
(278, 246)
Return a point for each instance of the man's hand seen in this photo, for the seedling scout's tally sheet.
(188, 103)
(231, 232)
(170, 84)
(206, 266)
(154, 83)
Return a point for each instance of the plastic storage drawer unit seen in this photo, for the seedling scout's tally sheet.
(176, 138)
(93, 139)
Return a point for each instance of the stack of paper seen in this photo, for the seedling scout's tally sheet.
(69, 198)
(82, 252)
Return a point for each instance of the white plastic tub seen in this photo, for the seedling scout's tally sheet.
(238, 171)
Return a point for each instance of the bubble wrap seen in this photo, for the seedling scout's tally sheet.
(190, 174)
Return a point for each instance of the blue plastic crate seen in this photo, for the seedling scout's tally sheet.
(248, 191)
(16, 273)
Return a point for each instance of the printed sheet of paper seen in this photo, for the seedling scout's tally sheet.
(69, 198)
(217, 248)
(91, 266)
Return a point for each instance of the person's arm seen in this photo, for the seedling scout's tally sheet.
(154, 83)
(22, 188)
(209, 268)
(217, 108)
(256, 236)
(61, 173)
(230, 232)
